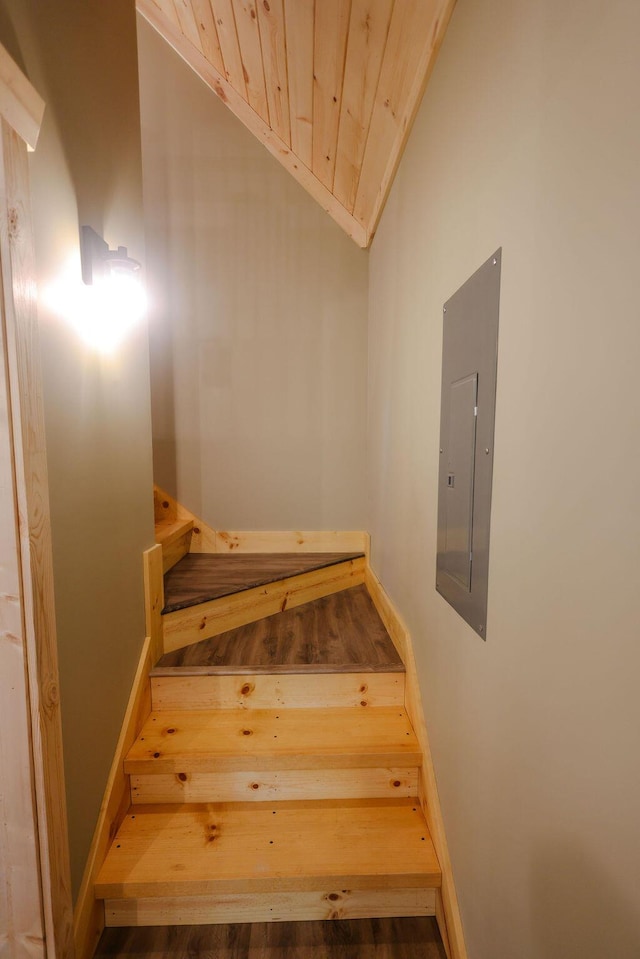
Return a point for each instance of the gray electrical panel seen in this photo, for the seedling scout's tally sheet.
(469, 367)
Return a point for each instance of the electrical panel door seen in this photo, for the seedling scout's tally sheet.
(469, 368)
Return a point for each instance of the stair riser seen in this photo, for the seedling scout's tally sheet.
(282, 907)
(277, 786)
(186, 626)
(173, 552)
(270, 692)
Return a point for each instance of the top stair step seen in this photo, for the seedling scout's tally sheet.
(202, 577)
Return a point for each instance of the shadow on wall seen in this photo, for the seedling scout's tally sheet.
(10, 40)
(101, 174)
(577, 910)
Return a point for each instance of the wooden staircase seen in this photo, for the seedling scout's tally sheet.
(276, 776)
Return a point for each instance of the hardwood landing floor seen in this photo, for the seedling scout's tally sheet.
(337, 633)
(199, 577)
(335, 939)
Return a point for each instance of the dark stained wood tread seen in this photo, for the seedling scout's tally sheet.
(201, 577)
(191, 740)
(211, 848)
(413, 938)
(341, 632)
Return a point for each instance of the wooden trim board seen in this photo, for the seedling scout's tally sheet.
(190, 625)
(21, 907)
(29, 462)
(21, 106)
(89, 913)
(154, 599)
(448, 916)
(292, 541)
(205, 539)
(278, 907)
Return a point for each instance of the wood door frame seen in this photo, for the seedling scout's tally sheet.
(39, 754)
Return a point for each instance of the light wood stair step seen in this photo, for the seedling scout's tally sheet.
(224, 849)
(234, 756)
(232, 739)
(179, 690)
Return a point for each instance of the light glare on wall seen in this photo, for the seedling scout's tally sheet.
(118, 299)
(109, 302)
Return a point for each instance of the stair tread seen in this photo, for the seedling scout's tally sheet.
(200, 849)
(341, 632)
(201, 577)
(235, 739)
(167, 531)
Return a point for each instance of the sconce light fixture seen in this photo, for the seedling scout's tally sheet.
(114, 299)
(99, 262)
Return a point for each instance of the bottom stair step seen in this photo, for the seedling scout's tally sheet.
(233, 850)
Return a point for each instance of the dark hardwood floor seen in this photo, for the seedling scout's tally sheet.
(199, 577)
(334, 939)
(337, 633)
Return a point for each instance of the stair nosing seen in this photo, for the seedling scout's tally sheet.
(276, 670)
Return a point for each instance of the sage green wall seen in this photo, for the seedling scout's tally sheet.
(258, 332)
(82, 59)
(528, 138)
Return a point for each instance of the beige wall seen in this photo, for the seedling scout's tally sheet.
(259, 330)
(528, 138)
(82, 59)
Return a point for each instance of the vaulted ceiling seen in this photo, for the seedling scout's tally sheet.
(330, 87)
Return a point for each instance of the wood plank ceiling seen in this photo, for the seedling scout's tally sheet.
(330, 87)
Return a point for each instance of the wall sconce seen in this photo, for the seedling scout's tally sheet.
(114, 299)
(99, 262)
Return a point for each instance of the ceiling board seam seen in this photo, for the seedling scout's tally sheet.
(329, 87)
(286, 65)
(188, 12)
(215, 27)
(232, 47)
(421, 78)
(375, 96)
(264, 75)
(344, 65)
(214, 40)
(303, 146)
(284, 81)
(313, 87)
